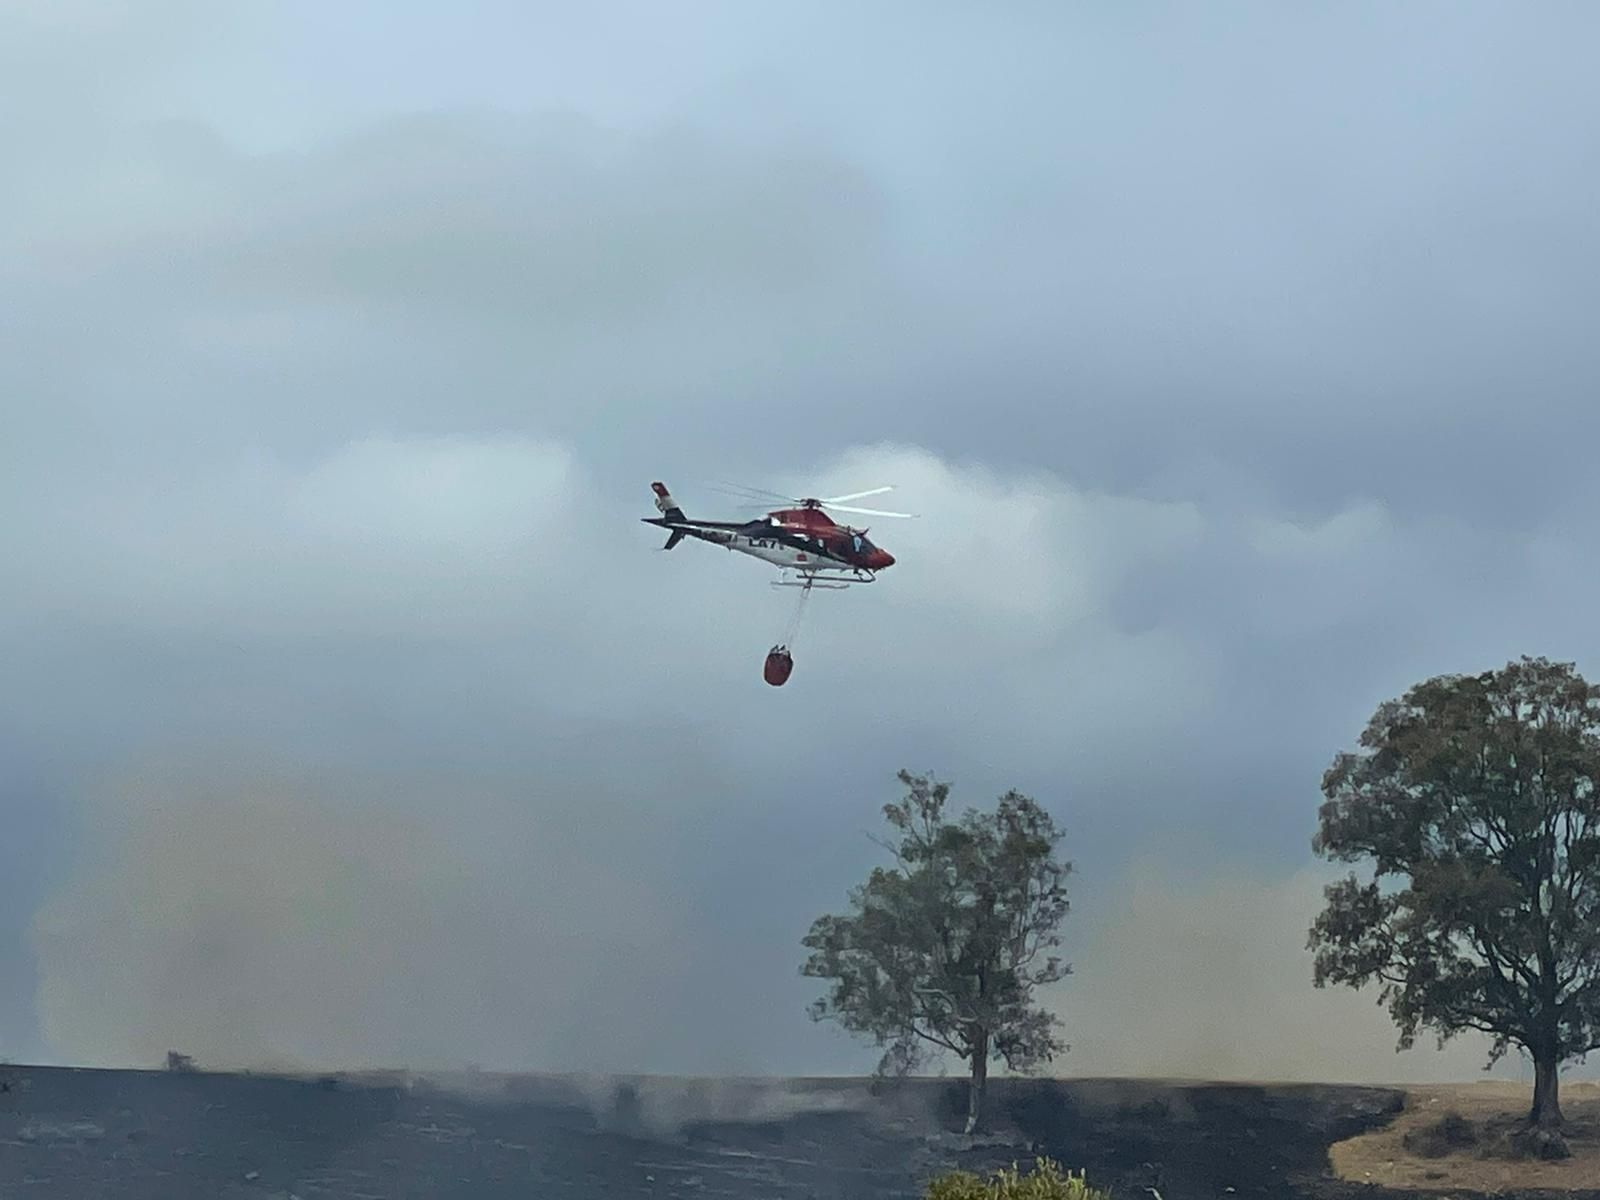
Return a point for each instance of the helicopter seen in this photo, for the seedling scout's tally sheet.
(800, 539)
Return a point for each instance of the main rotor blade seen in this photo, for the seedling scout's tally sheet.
(860, 495)
(739, 489)
(869, 512)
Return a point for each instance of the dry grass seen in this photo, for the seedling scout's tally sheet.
(1455, 1137)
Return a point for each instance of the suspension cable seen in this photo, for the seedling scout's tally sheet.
(799, 612)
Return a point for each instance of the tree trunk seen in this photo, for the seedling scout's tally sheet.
(1546, 1112)
(979, 1081)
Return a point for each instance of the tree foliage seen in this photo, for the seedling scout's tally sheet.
(943, 950)
(1474, 801)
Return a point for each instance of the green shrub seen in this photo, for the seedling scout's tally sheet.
(1045, 1182)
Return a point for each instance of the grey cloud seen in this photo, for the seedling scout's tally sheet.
(63, 65)
(1238, 366)
(1345, 256)
(437, 273)
(1243, 247)
(470, 648)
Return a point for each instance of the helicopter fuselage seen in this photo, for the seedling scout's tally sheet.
(802, 539)
(785, 547)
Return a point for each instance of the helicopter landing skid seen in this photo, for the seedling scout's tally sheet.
(830, 583)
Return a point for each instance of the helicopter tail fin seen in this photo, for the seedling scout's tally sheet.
(668, 506)
(673, 539)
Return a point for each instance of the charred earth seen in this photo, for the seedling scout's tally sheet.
(139, 1134)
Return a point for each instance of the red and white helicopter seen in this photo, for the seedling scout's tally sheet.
(802, 539)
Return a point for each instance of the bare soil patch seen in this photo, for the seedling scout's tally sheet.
(1464, 1137)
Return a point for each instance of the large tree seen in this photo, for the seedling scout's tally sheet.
(1474, 800)
(943, 950)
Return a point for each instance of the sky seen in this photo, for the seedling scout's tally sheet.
(1237, 359)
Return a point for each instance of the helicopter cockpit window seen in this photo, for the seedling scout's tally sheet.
(858, 542)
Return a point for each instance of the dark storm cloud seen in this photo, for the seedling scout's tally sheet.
(1238, 367)
(1346, 254)
(440, 272)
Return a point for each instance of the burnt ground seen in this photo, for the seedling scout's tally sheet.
(140, 1135)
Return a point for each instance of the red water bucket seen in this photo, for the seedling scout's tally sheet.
(778, 665)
